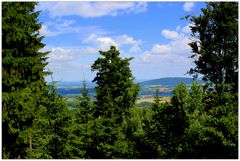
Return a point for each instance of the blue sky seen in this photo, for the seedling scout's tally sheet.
(151, 32)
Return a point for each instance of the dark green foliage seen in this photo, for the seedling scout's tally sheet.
(115, 84)
(212, 131)
(34, 120)
(21, 60)
(168, 124)
(19, 117)
(80, 140)
(59, 121)
(215, 43)
(116, 94)
(84, 111)
(23, 83)
(213, 113)
(51, 137)
(198, 123)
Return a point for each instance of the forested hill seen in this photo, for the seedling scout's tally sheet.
(147, 87)
(169, 81)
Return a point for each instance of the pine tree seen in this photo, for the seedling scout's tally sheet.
(23, 84)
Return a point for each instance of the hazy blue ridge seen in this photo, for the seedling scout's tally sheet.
(74, 87)
(167, 82)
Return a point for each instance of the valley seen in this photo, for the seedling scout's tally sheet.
(71, 90)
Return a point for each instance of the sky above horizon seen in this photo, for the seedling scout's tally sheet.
(151, 32)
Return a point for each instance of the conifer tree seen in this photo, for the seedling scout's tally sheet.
(116, 94)
(23, 84)
(215, 44)
(215, 51)
(84, 110)
(81, 128)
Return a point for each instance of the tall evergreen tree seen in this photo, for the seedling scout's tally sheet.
(215, 50)
(215, 43)
(81, 130)
(116, 94)
(23, 84)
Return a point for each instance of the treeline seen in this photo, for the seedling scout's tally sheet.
(202, 123)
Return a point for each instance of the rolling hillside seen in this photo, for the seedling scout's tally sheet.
(167, 82)
(148, 88)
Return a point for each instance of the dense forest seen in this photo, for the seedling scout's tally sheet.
(197, 123)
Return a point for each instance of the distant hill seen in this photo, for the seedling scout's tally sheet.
(148, 88)
(80, 83)
(167, 82)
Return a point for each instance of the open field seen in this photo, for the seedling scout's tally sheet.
(161, 89)
(151, 100)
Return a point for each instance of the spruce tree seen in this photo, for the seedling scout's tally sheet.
(215, 44)
(23, 84)
(116, 94)
(214, 120)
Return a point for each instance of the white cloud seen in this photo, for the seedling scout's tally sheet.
(171, 34)
(103, 43)
(92, 9)
(46, 32)
(186, 29)
(160, 49)
(188, 6)
(125, 39)
(99, 43)
(139, 7)
(60, 54)
(135, 48)
(175, 51)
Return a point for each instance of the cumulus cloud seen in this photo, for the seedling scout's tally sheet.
(103, 43)
(171, 34)
(188, 6)
(160, 49)
(174, 51)
(125, 39)
(46, 32)
(60, 54)
(92, 9)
